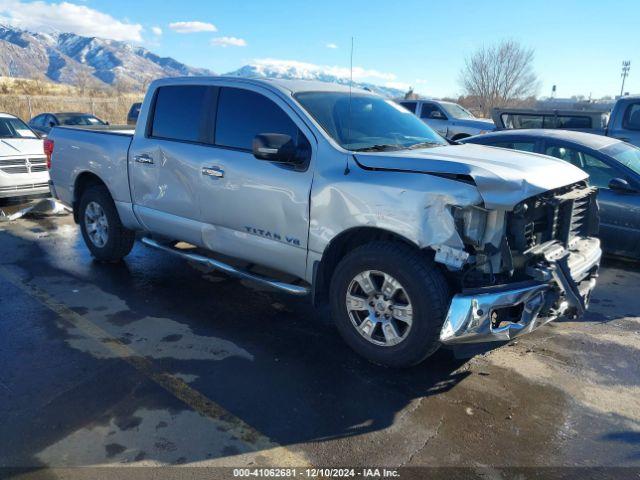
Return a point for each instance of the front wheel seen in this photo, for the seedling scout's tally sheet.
(389, 301)
(103, 232)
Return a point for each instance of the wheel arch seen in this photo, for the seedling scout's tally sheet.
(83, 181)
(340, 246)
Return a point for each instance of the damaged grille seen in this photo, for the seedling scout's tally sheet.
(560, 215)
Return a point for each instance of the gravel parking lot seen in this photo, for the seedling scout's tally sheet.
(154, 362)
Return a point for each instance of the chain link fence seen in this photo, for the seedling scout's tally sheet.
(114, 109)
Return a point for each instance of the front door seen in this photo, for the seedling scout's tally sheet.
(619, 212)
(165, 163)
(255, 209)
(432, 115)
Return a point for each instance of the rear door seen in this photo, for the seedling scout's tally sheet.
(165, 164)
(434, 116)
(254, 209)
(619, 212)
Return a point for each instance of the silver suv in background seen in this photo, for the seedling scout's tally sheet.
(449, 119)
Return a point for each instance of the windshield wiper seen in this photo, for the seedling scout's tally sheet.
(382, 147)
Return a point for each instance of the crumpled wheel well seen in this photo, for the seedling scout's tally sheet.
(341, 245)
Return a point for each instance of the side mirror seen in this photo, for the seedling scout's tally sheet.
(275, 147)
(107, 123)
(436, 114)
(620, 185)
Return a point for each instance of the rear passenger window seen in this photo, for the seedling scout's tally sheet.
(182, 113)
(243, 114)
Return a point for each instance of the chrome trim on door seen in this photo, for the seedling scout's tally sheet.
(143, 158)
(213, 172)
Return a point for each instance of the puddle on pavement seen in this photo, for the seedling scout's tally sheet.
(153, 337)
(148, 438)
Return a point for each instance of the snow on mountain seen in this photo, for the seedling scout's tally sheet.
(90, 61)
(292, 70)
(77, 60)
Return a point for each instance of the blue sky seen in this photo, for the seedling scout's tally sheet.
(579, 45)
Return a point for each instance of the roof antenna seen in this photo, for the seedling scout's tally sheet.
(346, 166)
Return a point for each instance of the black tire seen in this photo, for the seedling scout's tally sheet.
(119, 239)
(424, 284)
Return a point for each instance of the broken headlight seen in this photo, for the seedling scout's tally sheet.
(471, 223)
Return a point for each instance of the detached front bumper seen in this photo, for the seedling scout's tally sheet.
(563, 284)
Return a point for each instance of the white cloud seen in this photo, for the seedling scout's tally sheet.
(229, 42)
(398, 85)
(311, 70)
(333, 46)
(192, 27)
(156, 31)
(41, 16)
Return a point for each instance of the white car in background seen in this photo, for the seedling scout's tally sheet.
(23, 165)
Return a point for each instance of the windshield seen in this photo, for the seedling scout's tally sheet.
(71, 119)
(456, 111)
(15, 128)
(626, 154)
(367, 122)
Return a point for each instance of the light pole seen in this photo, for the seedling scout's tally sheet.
(626, 66)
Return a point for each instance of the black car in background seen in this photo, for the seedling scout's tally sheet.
(44, 122)
(134, 112)
(613, 166)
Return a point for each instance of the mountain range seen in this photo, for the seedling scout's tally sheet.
(76, 60)
(73, 59)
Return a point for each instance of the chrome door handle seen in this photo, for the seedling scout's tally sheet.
(213, 172)
(143, 158)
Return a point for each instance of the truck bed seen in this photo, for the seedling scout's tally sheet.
(127, 130)
(101, 150)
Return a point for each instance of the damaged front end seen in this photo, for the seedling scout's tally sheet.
(523, 268)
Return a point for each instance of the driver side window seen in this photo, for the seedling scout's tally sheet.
(600, 174)
(432, 111)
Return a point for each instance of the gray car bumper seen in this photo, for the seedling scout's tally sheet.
(505, 312)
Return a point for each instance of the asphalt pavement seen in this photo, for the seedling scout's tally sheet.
(155, 362)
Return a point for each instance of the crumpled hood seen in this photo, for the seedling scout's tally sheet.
(21, 146)
(503, 177)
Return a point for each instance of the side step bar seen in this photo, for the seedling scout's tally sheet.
(297, 290)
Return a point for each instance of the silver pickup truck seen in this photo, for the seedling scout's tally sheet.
(312, 188)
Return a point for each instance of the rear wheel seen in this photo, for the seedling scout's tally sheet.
(103, 232)
(389, 301)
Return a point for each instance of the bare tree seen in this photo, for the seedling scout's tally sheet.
(499, 75)
(83, 81)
